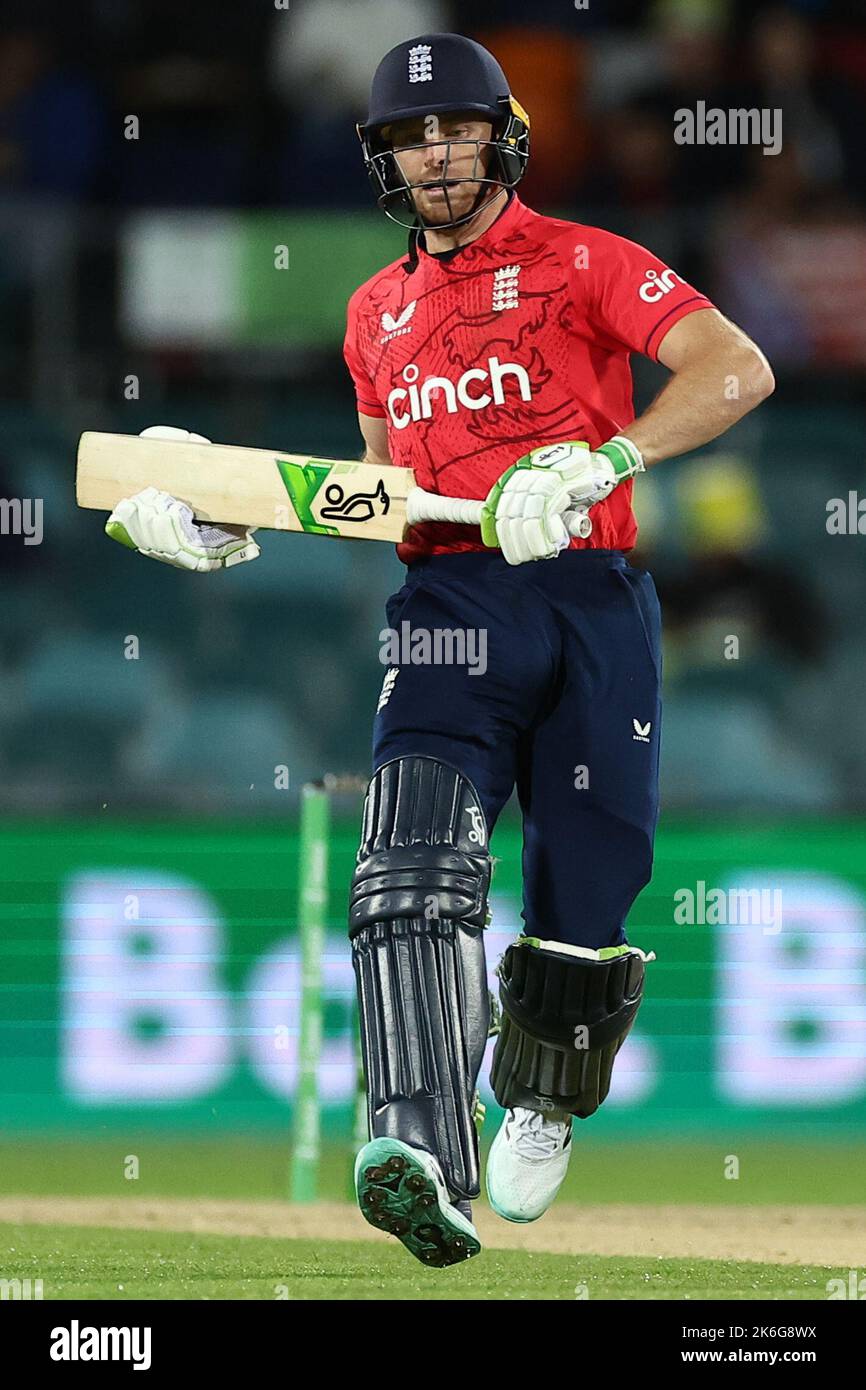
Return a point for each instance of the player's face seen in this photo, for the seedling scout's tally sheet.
(439, 150)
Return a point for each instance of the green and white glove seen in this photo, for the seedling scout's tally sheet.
(163, 528)
(524, 512)
(613, 463)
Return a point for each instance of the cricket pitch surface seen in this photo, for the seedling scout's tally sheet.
(822, 1235)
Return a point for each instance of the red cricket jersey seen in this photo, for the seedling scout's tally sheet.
(522, 338)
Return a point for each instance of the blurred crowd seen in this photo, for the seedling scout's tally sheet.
(254, 103)
(139, 103)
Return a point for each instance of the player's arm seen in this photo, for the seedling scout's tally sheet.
(375, 433)
(718, 376)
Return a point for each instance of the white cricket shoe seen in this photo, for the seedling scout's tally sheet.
(527, 1162)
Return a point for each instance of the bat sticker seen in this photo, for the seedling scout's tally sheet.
(303, 483)
(358, 506)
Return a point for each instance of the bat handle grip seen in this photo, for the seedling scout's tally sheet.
(430, 506)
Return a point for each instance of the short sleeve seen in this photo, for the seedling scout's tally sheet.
(635, 298)
(365, 391)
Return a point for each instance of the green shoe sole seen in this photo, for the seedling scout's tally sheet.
(400, 1191)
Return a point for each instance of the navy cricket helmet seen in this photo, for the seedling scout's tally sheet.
(429, 76)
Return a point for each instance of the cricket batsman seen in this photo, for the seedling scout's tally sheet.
(493, 359)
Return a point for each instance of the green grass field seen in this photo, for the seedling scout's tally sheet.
(235, 1189)
(81, 1262)
(259, 1168)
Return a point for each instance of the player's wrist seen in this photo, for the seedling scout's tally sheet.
(624, 457)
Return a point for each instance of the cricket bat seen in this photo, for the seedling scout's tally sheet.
(281, 492)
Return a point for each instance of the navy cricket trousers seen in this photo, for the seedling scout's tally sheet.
(564, 705)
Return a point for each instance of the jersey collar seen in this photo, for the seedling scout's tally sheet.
(496, 232)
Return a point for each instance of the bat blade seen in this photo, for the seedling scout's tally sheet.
(248, 487)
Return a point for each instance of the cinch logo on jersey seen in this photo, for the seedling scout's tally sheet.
(395, 326)
(432, 389)
(655, 285)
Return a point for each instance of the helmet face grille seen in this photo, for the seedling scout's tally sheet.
(505, 167)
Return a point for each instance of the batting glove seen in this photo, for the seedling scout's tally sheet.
(609, 466)
(523, 512)
(163, 528)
